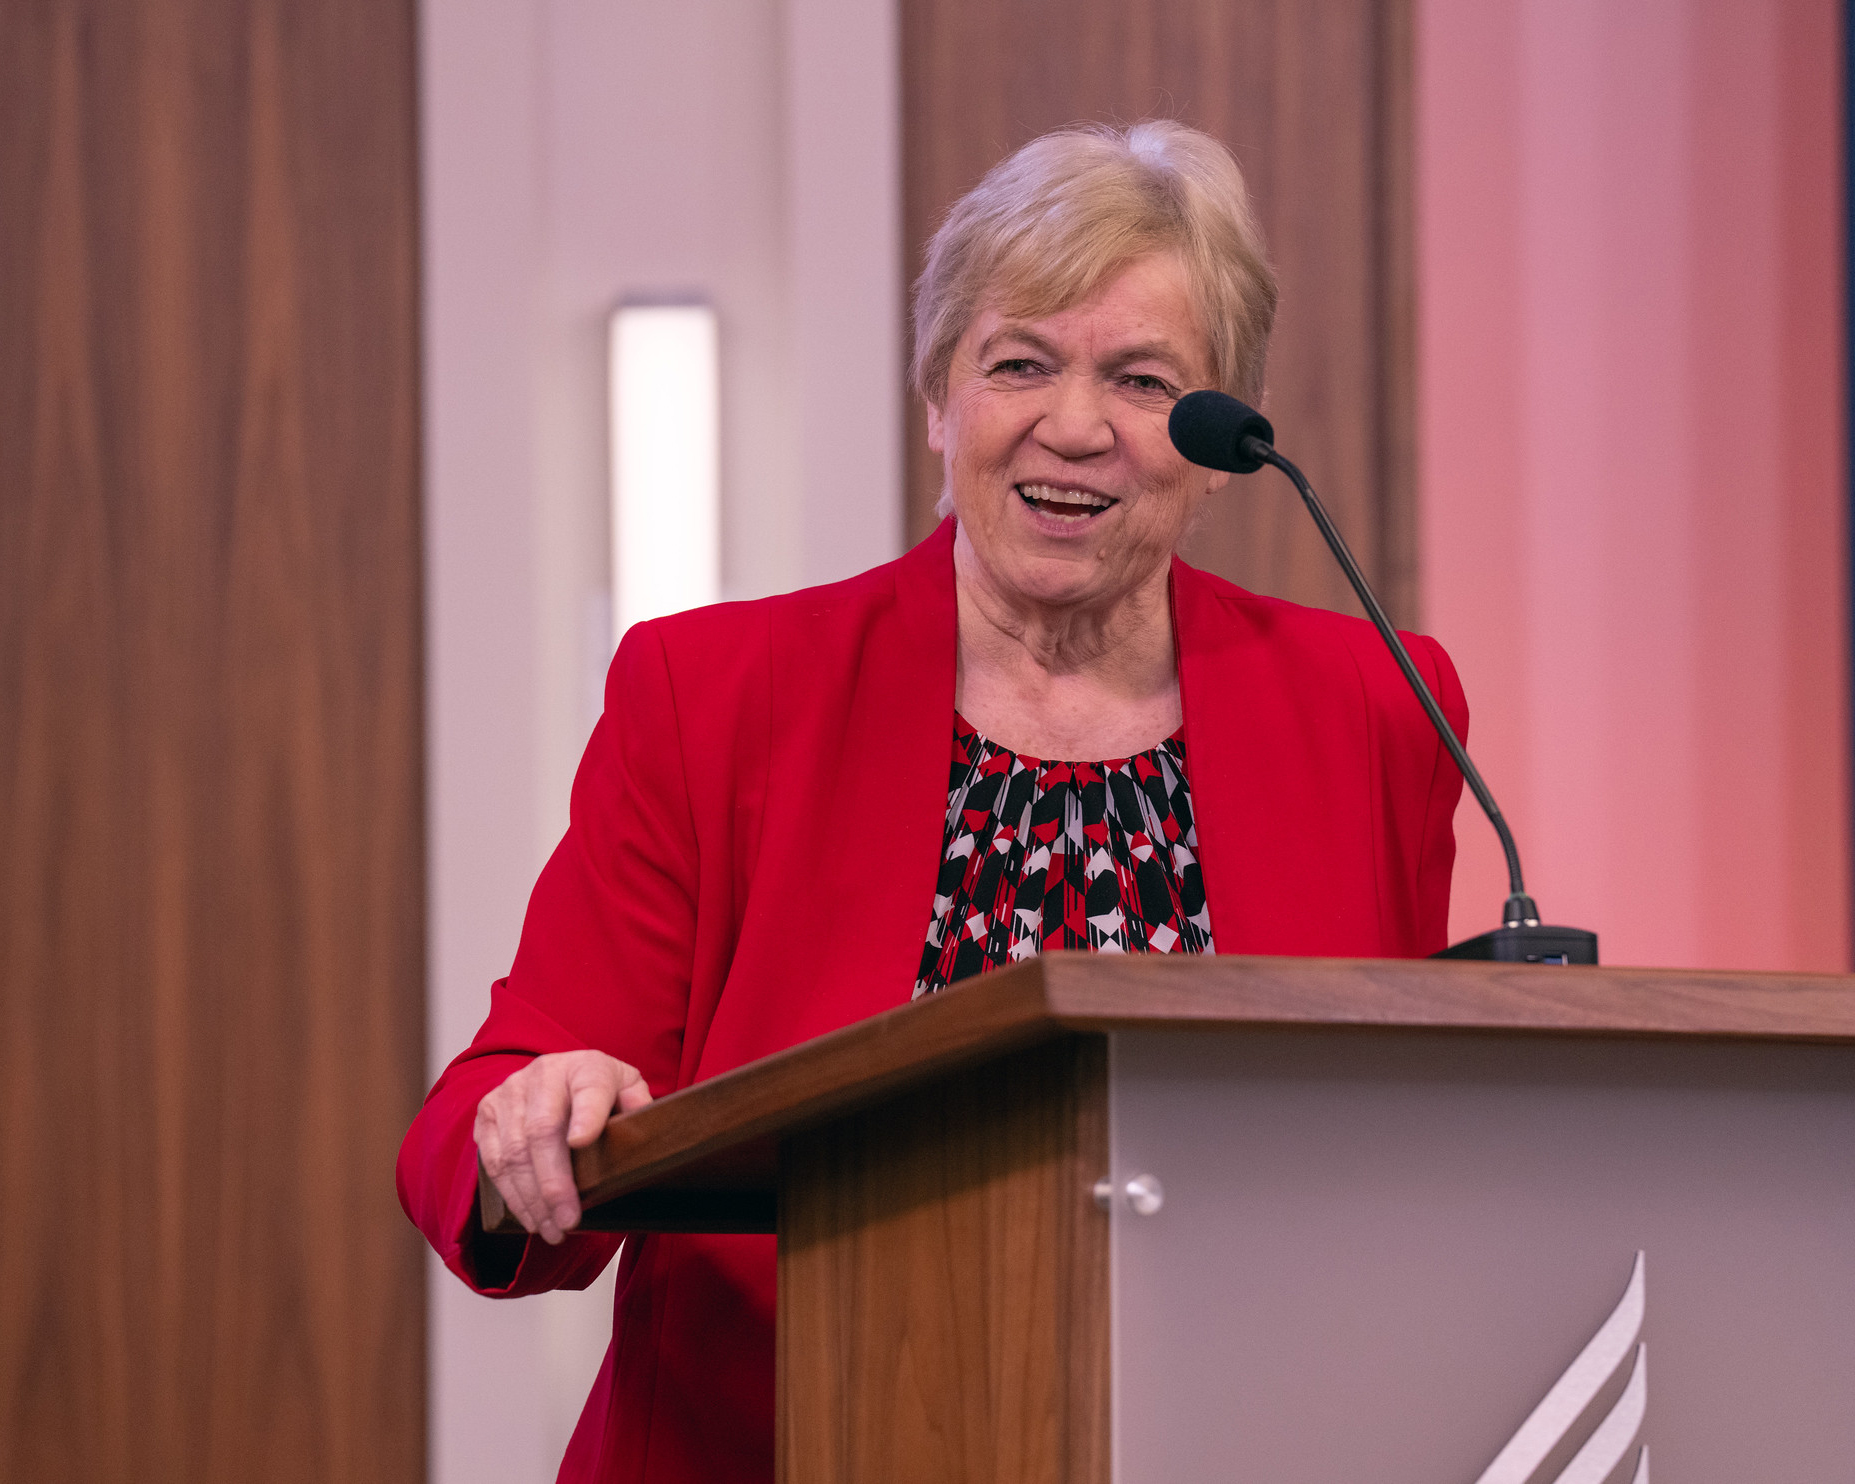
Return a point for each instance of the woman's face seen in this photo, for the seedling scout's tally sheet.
(1054, 435)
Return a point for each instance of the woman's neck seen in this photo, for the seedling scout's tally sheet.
(1071, 682)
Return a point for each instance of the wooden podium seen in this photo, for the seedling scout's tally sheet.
(1145, 1218)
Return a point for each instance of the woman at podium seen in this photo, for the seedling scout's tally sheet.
(1038, 729)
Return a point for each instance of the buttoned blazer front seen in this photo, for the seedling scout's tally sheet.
(754, 837)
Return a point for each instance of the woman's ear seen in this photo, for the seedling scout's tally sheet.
(937, 434)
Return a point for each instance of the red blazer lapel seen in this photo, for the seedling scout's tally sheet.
(1280, 797)
(902, 725)
(862, 728)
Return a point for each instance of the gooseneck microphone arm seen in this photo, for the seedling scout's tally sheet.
(1216, 431)
(1519, 910)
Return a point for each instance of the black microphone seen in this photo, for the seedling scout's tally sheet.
(1215, 431)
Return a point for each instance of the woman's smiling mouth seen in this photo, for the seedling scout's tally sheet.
(1063, 503)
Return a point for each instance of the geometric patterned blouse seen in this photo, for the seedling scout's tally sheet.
(1063, 855)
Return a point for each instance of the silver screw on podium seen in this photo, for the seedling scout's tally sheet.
(1145, 1195)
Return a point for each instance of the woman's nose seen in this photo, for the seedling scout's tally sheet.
(1076, 424)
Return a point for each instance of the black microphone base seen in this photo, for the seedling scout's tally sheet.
(1540, 944)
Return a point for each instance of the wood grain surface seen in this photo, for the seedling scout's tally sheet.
(211, 874)
(943, 1282)
(716, 1135)
(1085, 992)
(1315, 101)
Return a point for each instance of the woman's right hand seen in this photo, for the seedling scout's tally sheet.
(527, 1126)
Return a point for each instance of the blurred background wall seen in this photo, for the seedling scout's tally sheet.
(1633, 461)
(290, 720)
(578, 153)
(212, 832)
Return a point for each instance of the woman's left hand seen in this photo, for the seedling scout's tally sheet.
(527, 1127)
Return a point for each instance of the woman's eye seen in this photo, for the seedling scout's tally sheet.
(1144, 383)
(1017, 366)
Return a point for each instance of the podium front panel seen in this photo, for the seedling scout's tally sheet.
(1375, 1252)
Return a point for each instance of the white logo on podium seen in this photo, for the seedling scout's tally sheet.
(1569, 1407)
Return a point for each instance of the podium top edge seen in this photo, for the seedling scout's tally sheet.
(1104, 991)
(670, 1141)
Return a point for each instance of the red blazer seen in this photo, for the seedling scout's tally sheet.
(756, 828)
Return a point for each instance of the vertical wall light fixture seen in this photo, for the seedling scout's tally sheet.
(665, 432)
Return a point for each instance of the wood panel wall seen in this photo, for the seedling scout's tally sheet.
(1313, 97)
(211, 874)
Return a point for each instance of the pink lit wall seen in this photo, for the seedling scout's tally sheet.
(1633, 462)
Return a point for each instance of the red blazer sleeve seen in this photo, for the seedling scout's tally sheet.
(604, 961)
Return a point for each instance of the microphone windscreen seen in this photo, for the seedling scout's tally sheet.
(1208, 428)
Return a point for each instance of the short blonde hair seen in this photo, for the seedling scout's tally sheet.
(1051, 224)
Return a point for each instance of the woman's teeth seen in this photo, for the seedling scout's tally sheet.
(1065, 504)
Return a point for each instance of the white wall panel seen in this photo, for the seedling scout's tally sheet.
(843, 114)
(577, 153)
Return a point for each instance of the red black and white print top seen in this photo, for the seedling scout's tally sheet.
(1063, 855)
